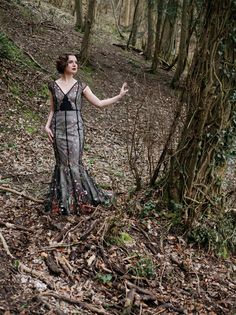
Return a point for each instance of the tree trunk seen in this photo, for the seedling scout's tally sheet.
(136, 22)
(184, 42)
(168, 38)
(116, 22)
(125, 12)
(79, 14)
(84, 53)
(151, 30)
(155, 62)
(197, 169)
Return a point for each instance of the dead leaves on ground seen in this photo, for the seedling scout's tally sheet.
(100, 264)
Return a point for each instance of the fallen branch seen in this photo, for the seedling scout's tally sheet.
(160, 311)
(53, 247)
(22, 266)
(104, 257)
(85, 305)
(29, 55)
(69, 229)
(150, 243)
(14, 226)
(20, 194)
(32, 58)
(63, 232)
(86, 233)
(5, 246)
(141, 290)
(129, 301)
(173, 308)
(36, 274)
(82, 238)
(51, 264)
(50, 307)
(64, 265)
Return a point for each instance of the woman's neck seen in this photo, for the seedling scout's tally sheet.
(67, 77)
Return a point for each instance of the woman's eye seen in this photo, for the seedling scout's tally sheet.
(71, 62)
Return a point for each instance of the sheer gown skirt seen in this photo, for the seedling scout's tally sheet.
(72, 188)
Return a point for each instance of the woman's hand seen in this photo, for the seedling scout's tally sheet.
(50, 134)
(123, 90)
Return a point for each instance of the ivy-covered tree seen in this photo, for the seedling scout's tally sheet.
(197, 168)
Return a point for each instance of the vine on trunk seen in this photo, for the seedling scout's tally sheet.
(198, 167)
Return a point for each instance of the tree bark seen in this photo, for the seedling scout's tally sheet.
(151, 30)
(184, 42)
(116, 22)
(155, 62)
(84, 53)
(197, 169)
(136, 22)
(168, 37)
(79, 14)
(125, 13)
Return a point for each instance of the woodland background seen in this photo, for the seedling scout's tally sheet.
(167, 245)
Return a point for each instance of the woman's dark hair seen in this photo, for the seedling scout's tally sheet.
(62, 61)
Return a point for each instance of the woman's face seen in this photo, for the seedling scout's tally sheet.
(72, 65)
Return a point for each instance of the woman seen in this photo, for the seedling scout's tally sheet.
(72, 189)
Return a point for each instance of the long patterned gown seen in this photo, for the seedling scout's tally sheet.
(72, 189)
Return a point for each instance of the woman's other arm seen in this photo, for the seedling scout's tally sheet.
(48, 124)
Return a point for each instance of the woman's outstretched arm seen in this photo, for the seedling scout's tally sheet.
(94, 100)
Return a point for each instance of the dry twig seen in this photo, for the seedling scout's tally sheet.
(129, 301)
(14, 226)
(50, 307)
(149, 295)
(85, 305)
(20, 194)
(5, 246)
(64, 265)
(22, 267)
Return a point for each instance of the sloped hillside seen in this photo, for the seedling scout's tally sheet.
(121, 255)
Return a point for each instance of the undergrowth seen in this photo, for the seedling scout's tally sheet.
(214, 232)
(10, 51)
(217, 234)
(7, 49)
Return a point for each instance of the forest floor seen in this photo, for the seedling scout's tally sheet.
(121, 254)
